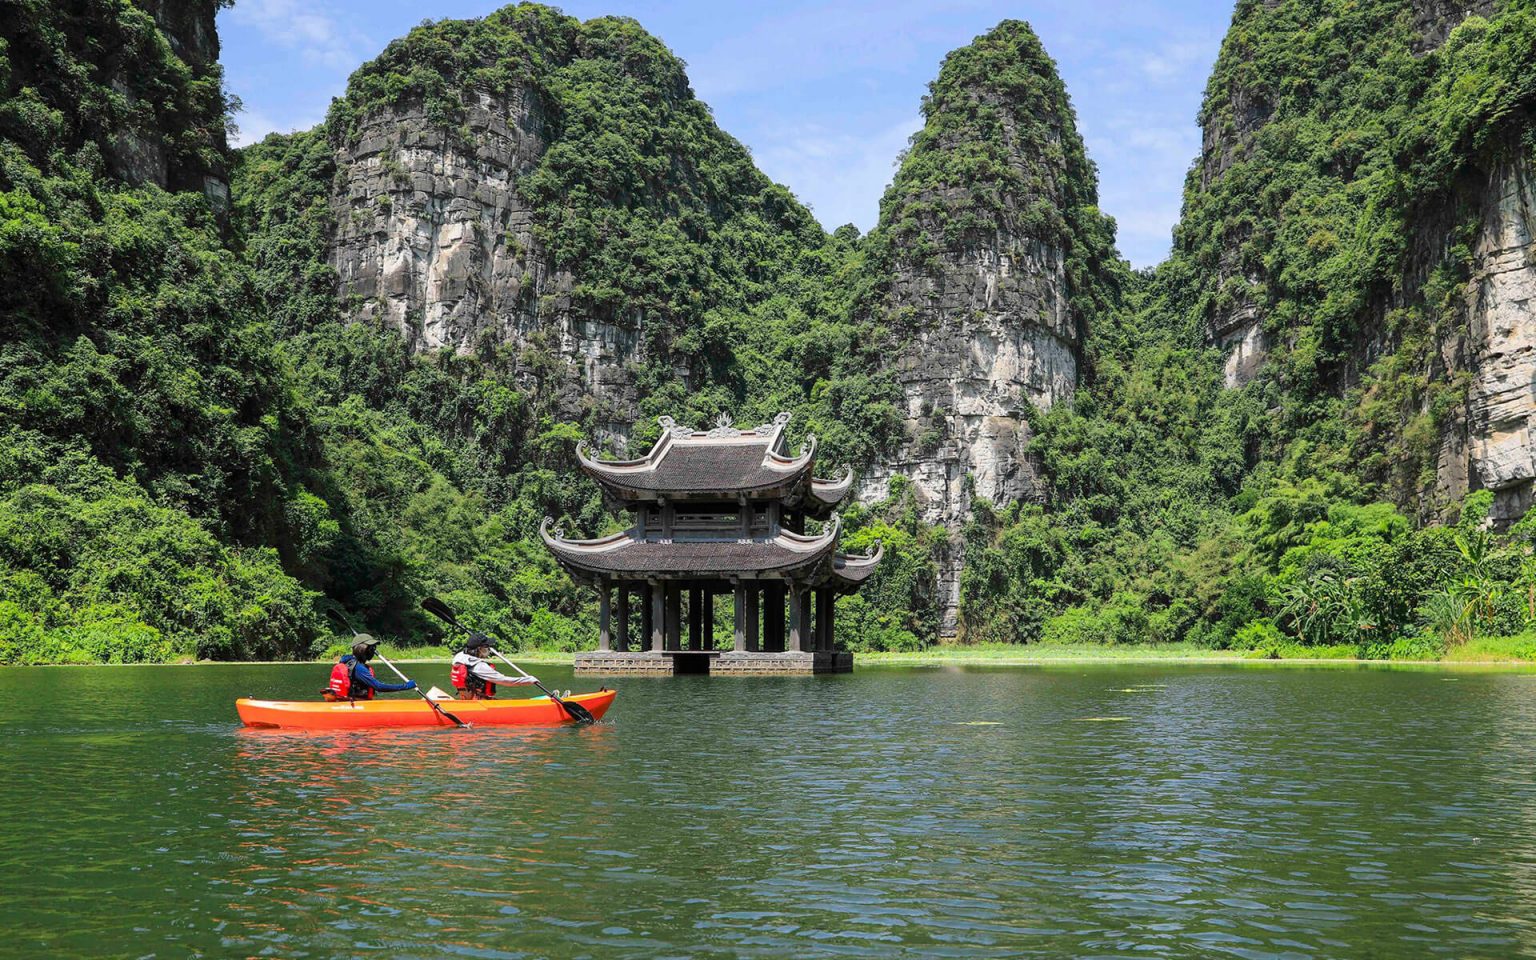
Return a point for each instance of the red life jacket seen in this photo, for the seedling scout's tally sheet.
(464, 679)
(341, 683)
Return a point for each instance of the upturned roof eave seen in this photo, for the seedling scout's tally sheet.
(789, 477)
(590, 559)
(780, 489)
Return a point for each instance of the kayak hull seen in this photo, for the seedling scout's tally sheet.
(368, 714)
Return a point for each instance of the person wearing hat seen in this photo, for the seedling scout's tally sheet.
(473, 676)
(353, 679)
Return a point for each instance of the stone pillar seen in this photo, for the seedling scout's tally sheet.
(656, 615)
(695, 618)
(797, 617)
(740, 606)
(674, 615)
(753, 592)
(604, 618)
(825, 600)
(773, 618)
(807, 621)
(621, 638)
(708, 626)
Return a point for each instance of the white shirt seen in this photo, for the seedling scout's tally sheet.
(486, 672)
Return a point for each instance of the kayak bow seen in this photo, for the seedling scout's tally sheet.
(365, 714)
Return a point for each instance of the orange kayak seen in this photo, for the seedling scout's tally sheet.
(363, 714)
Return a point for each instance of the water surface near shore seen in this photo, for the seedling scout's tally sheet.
(1080, 810)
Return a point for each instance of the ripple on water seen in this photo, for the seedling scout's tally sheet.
(1116, 811)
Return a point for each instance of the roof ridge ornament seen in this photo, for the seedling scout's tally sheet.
(668, 425)
(723, 428)
(773, 426)
(555, 528)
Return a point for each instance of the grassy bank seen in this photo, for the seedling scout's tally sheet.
(1520, 648)
(1513, 649)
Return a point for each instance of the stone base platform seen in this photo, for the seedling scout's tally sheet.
(727, 663)
(640, 663)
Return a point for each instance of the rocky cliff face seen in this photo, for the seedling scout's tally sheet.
(146, 149)
(552, 187)
(1490, 443)
(1239, 104)
(1479, 363)
(984, 277)
(434, 239)
(162, 122)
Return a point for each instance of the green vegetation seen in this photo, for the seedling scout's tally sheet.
(148, 447)
(441, 466)
(999, 155)
(1287, 512)
(200, 453)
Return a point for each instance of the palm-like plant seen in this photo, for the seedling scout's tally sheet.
(1448, 615)
(1478, 587)
(1327, 608)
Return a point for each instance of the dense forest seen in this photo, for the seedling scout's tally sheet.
(231, 402)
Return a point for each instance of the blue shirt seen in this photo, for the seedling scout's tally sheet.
(363, 674)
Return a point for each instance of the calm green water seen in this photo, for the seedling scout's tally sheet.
(1235, 811)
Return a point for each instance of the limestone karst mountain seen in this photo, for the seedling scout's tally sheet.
(1364, 222)
(357, 374)
(990, 262)
(532, 182)
(518, 195)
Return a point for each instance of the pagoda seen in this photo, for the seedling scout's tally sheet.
(716, 512)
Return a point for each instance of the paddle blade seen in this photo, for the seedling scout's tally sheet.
(577, 712)
(340, 619)
(440, 610)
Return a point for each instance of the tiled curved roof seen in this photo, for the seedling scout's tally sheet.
(826, 494)
(851, 572)
(622, 554)
(720, 462)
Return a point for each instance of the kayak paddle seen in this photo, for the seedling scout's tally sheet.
(339, 616)
(440, 610)
(430, 702)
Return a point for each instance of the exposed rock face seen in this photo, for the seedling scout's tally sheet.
(1491, 444)
(1232, 115)
(139, 153)
(1435, 19)
(433, 238)
(986, 326)
(998, 334)
(532, 182)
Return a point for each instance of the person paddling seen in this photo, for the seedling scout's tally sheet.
(473, 676)
(353, 679)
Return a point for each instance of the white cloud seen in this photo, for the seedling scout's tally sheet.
(253, 126)
(296, 26)
(840, 175)
(1175, 61)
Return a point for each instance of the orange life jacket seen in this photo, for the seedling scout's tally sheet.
(340, 687)
(464, 679)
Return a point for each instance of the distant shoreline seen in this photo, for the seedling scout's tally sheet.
(1482, 652)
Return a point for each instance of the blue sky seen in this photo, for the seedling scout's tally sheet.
(824, 94)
